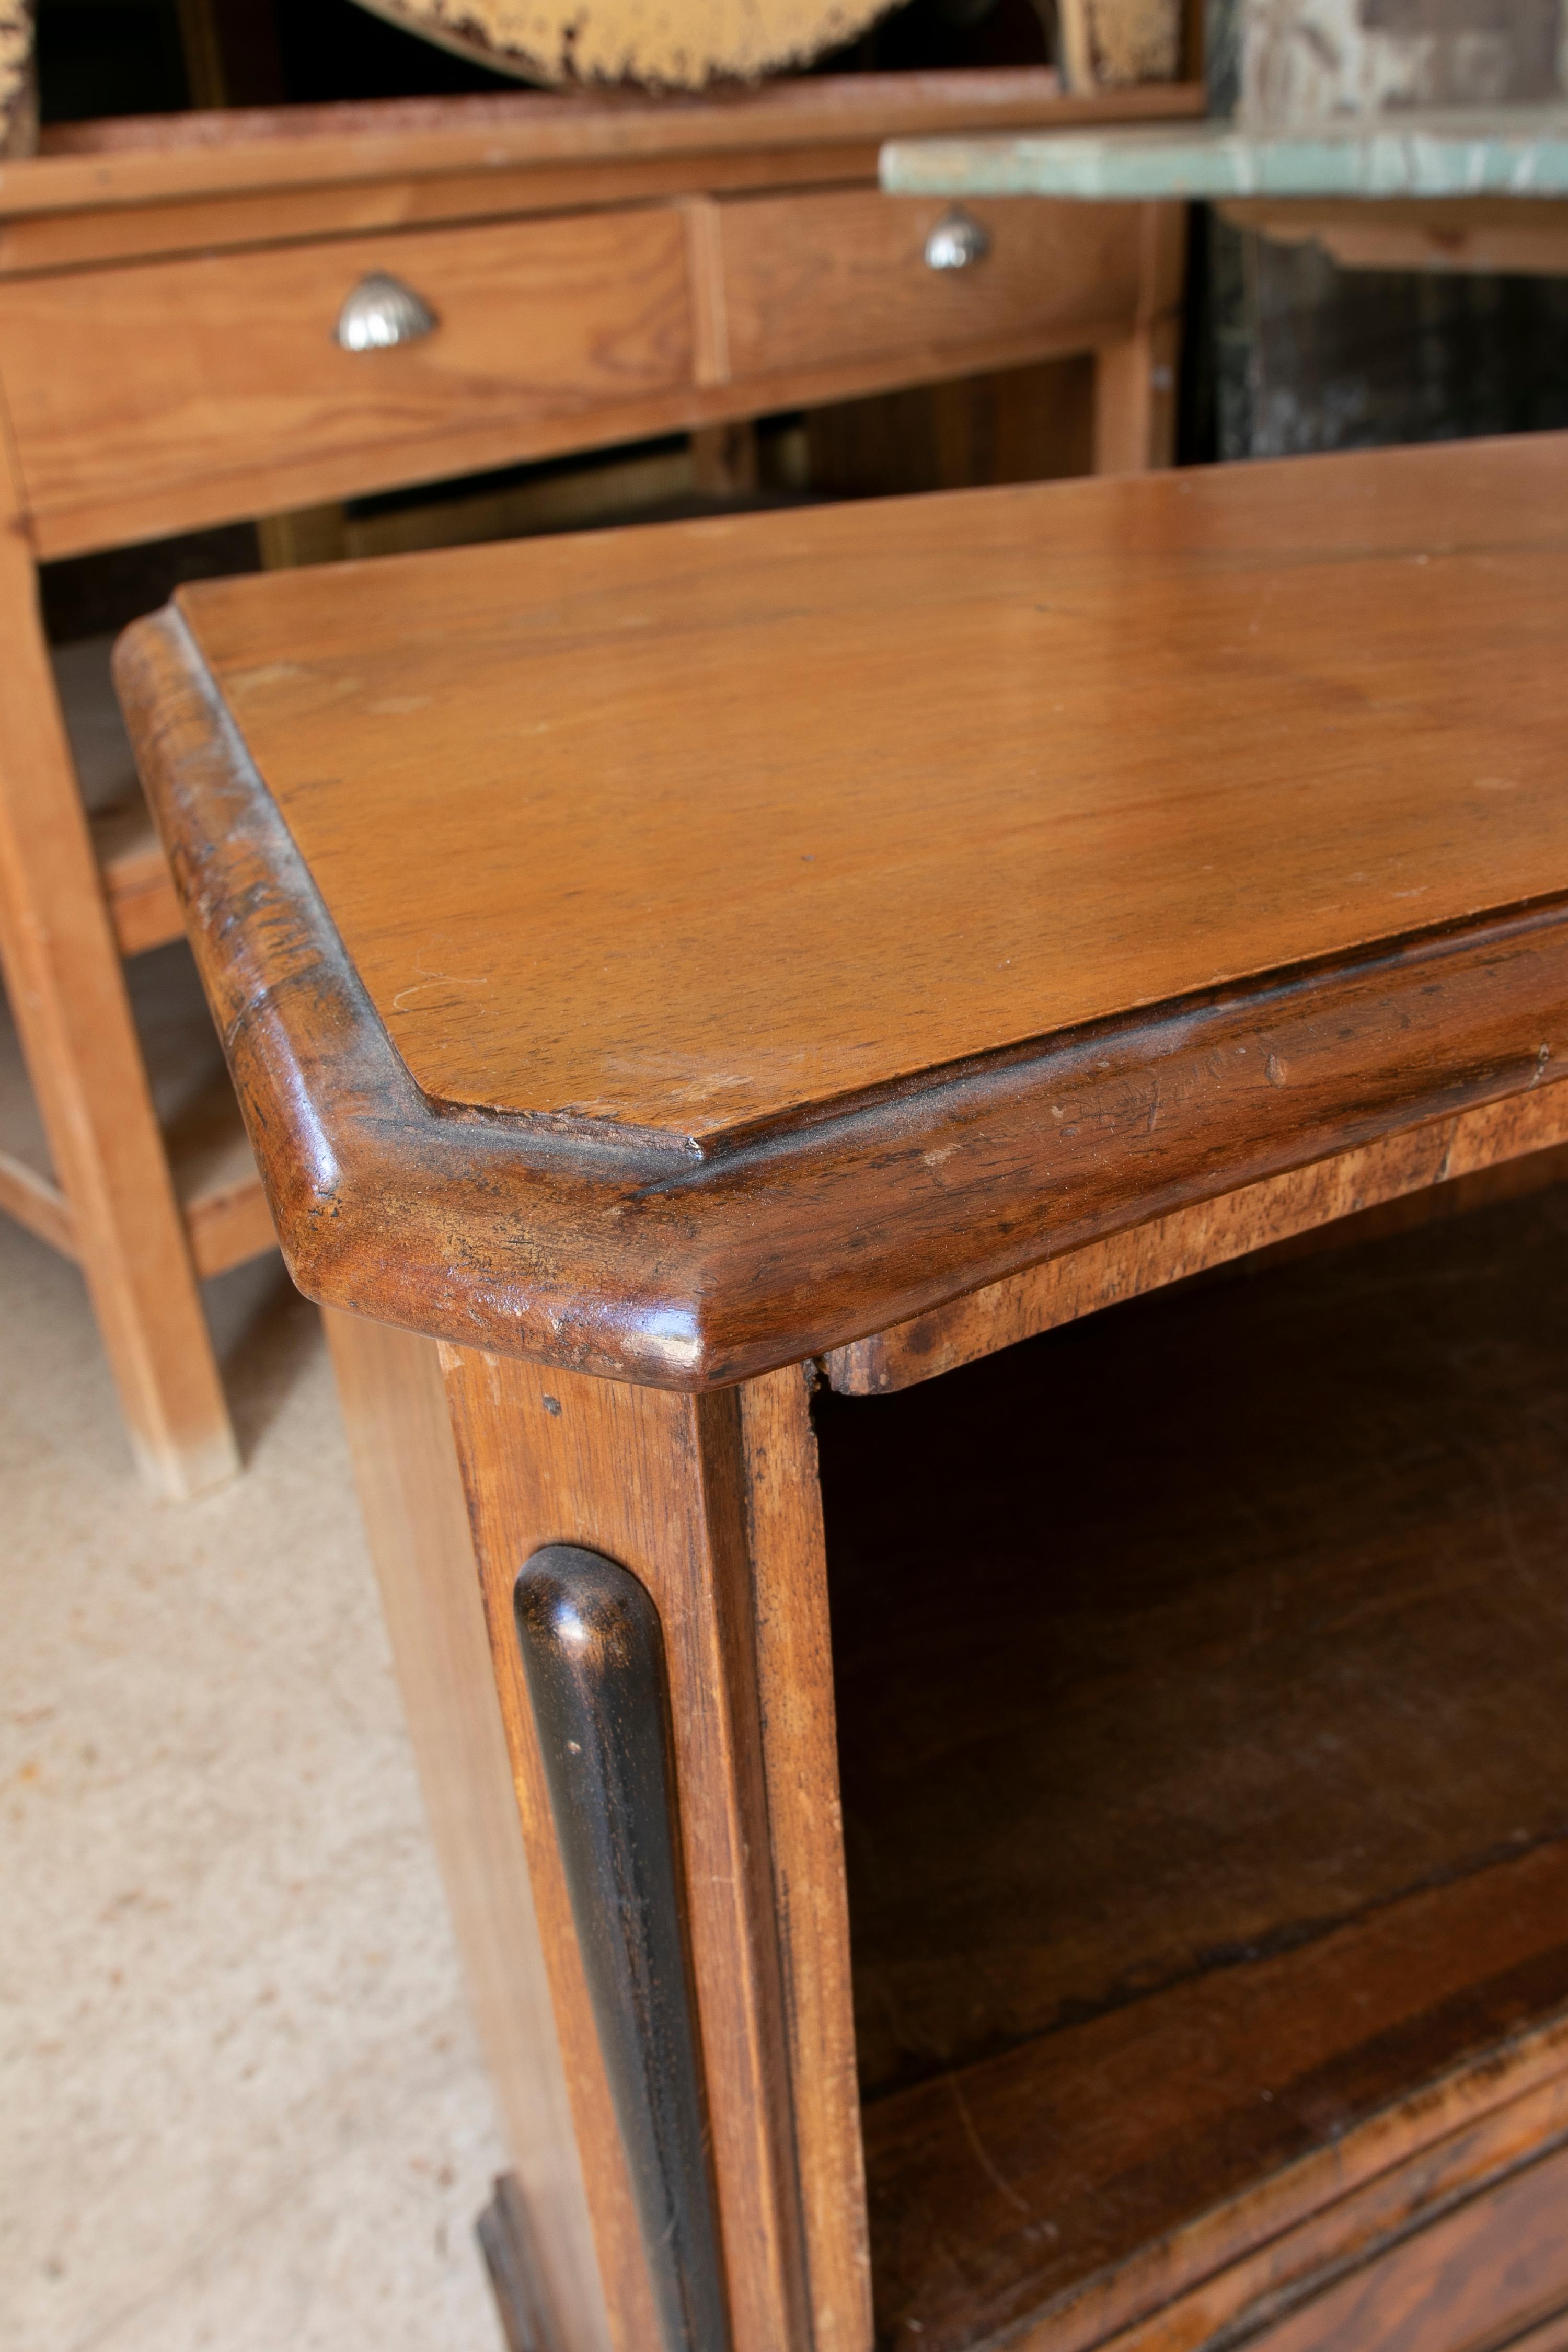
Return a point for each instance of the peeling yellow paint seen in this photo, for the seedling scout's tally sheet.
(18, 108)
(668, 43)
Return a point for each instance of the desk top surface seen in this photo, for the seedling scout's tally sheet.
(698, 831)
(727, 847)
(1520, 152)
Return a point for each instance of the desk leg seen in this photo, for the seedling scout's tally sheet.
(1135, 400)
(67, 988)
(1135, 379)
(710, 1505)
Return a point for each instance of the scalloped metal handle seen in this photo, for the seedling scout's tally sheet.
(956, 243)
(382, 312)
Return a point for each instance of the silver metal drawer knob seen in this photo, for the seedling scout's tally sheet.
(956, 243)
(380, 312)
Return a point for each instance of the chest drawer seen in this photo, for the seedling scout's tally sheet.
(228, 365)
(812, 279)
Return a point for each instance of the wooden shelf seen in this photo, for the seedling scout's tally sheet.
(1203, 1725)
(136, 876)
(135, 872)
(215, 1171)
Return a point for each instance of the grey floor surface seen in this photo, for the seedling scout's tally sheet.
(241, 2105)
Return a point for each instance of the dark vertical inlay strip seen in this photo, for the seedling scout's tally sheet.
(594, 1656)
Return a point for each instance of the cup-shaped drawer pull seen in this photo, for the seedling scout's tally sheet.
(956, 243)
(382, 312)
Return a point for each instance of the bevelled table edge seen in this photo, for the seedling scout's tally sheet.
(629, 1264)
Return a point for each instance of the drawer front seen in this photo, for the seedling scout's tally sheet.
(809, 280)
(189, 371)
(1481, 2278)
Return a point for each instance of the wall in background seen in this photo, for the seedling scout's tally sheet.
(1295, 354)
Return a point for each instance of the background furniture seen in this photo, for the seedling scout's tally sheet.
(1186, 1961)
(1471, 191)
(570, 274)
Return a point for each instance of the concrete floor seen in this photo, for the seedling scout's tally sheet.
(241, 2105)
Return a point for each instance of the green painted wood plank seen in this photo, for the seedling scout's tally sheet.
(1514, 152)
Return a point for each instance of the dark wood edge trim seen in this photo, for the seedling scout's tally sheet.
(695, 1274)
(592, 1653)
(508, 2245)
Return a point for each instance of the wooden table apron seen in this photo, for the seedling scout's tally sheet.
(627, 1455)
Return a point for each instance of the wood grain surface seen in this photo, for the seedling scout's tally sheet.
(1231, 722)
(810, 276)
(763, 984)
(410, 1488)
(154, 158)
(223, 358)
(1441, 1169)
(659, 1484)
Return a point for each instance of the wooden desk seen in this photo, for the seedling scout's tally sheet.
(590, 271)
(1482, 190)
(663, 970)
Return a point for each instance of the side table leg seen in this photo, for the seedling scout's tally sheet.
(706, 1506)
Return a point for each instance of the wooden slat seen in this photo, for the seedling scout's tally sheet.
(1191, 1241)
(157, 159)
(411, 1492)
(1494, 234)
(142, 901)
(273, 482)
(38, 1203)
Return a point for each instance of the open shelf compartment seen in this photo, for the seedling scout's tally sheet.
(1203, 1688)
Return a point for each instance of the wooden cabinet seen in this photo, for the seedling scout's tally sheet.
(1055, 1845)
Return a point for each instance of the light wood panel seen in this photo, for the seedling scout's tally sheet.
(795, 1685)
(411, 1494)
(807, 276)
(1234, 721)
(67, 992)
(157, 159)
(657, 1484)
(221, 1200)
(221, 363)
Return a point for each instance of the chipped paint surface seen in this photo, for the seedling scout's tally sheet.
(1311, 60)
(668, 44)
(1135, 41)
(18, 99)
